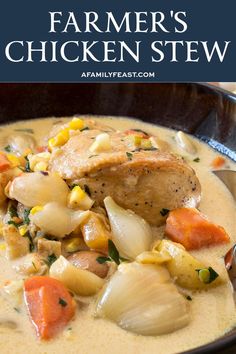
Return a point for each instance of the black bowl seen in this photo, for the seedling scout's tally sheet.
(199, 109)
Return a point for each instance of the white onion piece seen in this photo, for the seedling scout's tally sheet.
(131, 234)
(37, 188)
(57, 220)
(141, 299)
(185, 142)
(80, 281)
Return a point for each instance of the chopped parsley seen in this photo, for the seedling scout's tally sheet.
(152, 148)
(11, 222)
(33, 264)
(85, 128)
(31, 243)
(197, 159)
(164, 211)
(207, 275)
(62, 302)
(129, 155)
(16, 309)
(7, 148)
(26, 216)
(27, 165)
(113, 255)
(12, 211)
(51, 259)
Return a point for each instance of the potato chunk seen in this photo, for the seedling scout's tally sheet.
(183, 266)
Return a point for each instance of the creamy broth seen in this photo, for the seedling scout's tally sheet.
(212, 311)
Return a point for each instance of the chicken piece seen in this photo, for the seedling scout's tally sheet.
(17, 245)
(49, 247)
(145, 181)
(30, 264)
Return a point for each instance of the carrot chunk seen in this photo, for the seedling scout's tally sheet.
(193, 230)
(4, 163)
(49, 303)
(218, 162)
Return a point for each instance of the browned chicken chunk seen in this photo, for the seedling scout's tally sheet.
(144, 180)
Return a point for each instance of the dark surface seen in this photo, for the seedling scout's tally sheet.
(207, 112)
(195, 108)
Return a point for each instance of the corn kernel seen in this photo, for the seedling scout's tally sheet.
(137, 140)
(41, 166)
(23, 229)
(60, 139)
(79, 199)
(146, 144)
(13, 160)
(76, 195)
(74, 244)
(36, 209)
(3, 247)
(76, 124)
(51, 143)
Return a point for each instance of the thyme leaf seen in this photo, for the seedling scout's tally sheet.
(129, 155)
(62, 302)
(7, 148)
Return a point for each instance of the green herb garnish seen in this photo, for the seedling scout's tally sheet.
(207, 275)
(12, 211)
(11, 222)
(51, 259)
(152, 148)
(25, 130)
(7, 148)
(62, 302)
(27, 166)
(33, 264)
(129, 155)
(92, 156)
(113, 255)
(26, 216)
(113, 252)
(164, 211)
(85, 128)
(16, 309)
(197, 159)
(31, 243)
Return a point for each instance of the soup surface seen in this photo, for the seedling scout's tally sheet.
(212, 311)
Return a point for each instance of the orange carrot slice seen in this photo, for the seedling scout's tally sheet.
(49, 303)
(218, 162)
(193, 230)
(4, 163)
